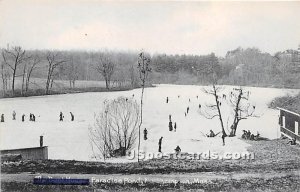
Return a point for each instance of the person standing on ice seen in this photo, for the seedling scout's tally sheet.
(2, 118)
(187, 110)
(145, 134)
(72, 116)
(170, 117)
(167, 100)
(199, 106)
(175, 126)
(14, 115)
(170, 126)
(61, 116)
(23, 118)
(159, 144)
(177, 150)
(223, 138)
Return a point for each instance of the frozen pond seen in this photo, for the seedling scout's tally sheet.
(69, 140)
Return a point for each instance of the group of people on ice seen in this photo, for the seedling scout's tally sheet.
(248, 136)
(171, 128)
(14, 117)
(32, 117)
(61, 116)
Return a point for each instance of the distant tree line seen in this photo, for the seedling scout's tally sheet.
(239, 67)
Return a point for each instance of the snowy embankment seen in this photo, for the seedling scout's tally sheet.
(69, 140)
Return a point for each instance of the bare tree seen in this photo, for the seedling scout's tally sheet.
(242, 109)
(33, 64)
(115, 128)
(4, 76)
(13, 58)
(133, 77)
(213, 110)
(27, 71)
(106, 68)
(72, 72)
(53, 62)
(144, 69)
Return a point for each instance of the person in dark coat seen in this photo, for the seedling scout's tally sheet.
(14, 115)
(292, 142)
(145, 134)
(199, 106)
(167, 100)
(248, 134)
(223, 138)
(211, 134)
(170, 117)
(159, 144)
(187, 110)
(30, 117)
(170, 126)
(2, 118)
(23, 118)
(72, 116)
(175, 127)
(33, 117)
(177, 149)
(61, 116)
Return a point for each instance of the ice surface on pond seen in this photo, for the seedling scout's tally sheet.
(69, 140)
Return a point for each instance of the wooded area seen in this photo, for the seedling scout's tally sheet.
(239, 67)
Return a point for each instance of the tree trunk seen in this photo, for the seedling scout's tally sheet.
(13, 83)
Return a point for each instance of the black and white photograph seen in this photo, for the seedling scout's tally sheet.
(147, 95)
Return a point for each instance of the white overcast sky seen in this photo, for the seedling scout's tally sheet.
(156, 27)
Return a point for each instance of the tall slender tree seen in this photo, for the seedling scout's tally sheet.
(144, 69)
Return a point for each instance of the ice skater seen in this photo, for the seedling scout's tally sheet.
(199, 106)
(223, 138)
(2, 118)
(61, 116)
(145, 134)
(170, 117)
(167, 101)
(170, 126)
(33, 117)
(175, 127)
(211, 134)
(187, 110)
(72, 116)
(224, 96)
(177, 149)
(159, 144)
(23, 118)
(14, 115)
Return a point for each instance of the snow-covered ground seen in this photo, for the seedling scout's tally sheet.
(69, 140)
